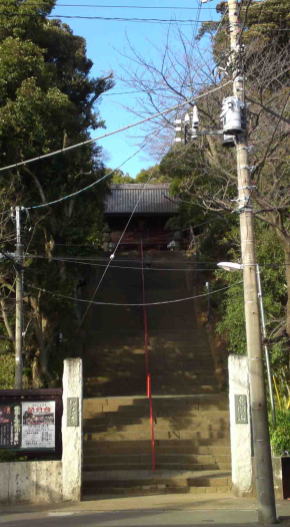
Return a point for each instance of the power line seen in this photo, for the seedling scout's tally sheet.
(269, 110)
(112, 256)
(100, 6)
(92, 261)
(120, 19)
(84, 189)
(117, 304)
(119, 130)
(107, 18)
(149, 268)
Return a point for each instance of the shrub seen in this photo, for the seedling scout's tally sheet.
(280, 434)
(7, 367)
(7, 456)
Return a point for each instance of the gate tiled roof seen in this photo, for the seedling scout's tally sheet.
(155, 199)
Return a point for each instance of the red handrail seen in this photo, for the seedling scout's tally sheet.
(147, 365)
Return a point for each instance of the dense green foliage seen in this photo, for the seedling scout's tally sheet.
(266, 23)
(152, 174)
(47, 101)
(280, 435)
(231, 309)
(6, 456)
(203, 175)
(7, 362)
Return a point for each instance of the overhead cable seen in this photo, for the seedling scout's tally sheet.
(107, 18)
(112, 255)
(98, 260)
(170, 21)
(84, 189)
(118, 304)
(108, 6)
(119, 130)
(92, 264)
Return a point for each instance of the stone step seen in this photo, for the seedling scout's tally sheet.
(91, 493)
(94, 390)
(151, 491)
(191, 359)
(167, 462)
(174, 478)
(159, 465)
(110, 459)
(165, 414)
(101, 388)
(167, 350)
(161, 417)
(194, 370)
(196, 365)
(161, 339)
(195, 423)
(162, 447)
(222, 437)
(135, 416)
(187, 430)
(132, 334)
(174, 403)
(192, 382)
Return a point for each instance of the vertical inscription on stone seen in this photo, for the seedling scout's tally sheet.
(72, 411)
(241, 409)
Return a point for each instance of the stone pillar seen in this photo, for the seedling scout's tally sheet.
(240, 426)
(72, 429)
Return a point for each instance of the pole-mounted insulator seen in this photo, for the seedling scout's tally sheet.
(178, 131)
(194, 122)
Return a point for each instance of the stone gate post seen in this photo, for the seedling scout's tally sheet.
(240, 426)
(72, 429)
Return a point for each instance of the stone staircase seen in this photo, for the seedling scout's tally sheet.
(190, 411)
(175, 364)
(191, 442)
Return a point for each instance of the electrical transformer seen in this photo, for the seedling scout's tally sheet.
(232, 116)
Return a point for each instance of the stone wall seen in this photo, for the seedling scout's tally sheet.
(31, 481)
(52, 481)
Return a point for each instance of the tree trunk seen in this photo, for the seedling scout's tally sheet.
(287, 272)
(6, 321)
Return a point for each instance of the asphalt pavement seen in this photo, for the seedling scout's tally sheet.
(173, 510)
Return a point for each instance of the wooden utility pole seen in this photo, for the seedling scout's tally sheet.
(19, 301)
(261, 440)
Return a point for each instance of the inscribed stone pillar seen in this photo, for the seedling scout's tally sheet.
(72, 429)
(240, 426)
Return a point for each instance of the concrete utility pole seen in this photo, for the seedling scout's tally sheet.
(19, 301)
(262, 451)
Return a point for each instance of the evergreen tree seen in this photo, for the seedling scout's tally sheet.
(47, 101)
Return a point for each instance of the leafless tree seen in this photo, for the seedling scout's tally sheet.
(185, 69)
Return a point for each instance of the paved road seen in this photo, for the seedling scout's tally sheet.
(169, 511)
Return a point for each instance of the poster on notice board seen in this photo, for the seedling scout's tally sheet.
(10, 425)
(38, 424)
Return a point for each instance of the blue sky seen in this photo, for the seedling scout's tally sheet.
(106, 41)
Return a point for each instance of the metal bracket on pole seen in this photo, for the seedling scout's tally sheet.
(210, 132)
(248, 187)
